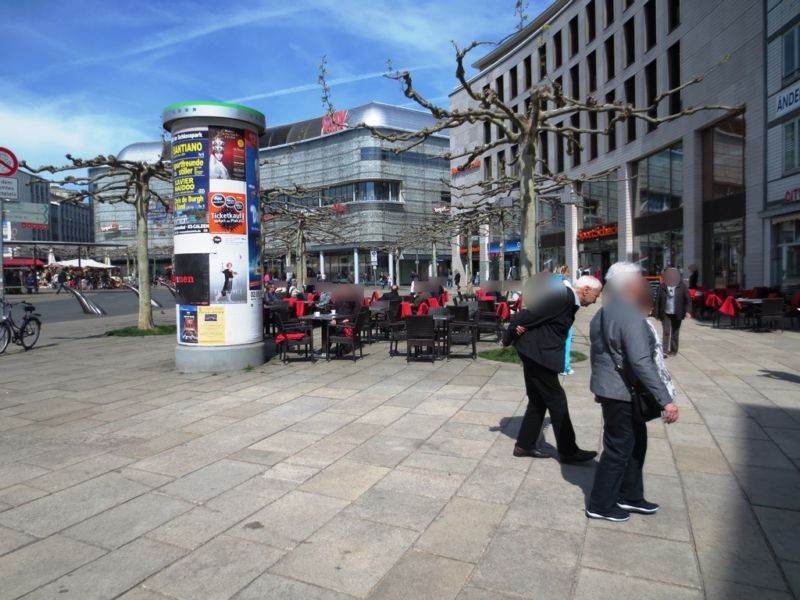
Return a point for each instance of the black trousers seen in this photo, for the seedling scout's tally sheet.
(545, 393)
(671, 330)
(619, 472)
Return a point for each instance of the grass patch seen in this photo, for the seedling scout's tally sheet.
(509, 355)
(133, 331)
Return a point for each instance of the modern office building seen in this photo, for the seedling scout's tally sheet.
(782, 211)
(383, 195)
(690, 193)
(69, 221)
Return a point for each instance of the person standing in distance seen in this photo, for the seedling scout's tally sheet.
(539, 334)
(673, 304)
(622, 354)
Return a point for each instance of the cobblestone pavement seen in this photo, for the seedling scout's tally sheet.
(380, 479)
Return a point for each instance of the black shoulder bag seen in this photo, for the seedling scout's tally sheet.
(645, 406)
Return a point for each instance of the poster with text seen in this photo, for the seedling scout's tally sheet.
(229, 272)
(191, 278)
(253, 200)
(190, 180)
(227, 160)
(256, 272)
(227, 213)
(187, 324)
(211, 325)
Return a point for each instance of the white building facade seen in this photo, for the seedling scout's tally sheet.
(687, 193)
(782, 160)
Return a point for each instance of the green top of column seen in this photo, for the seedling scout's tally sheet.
(186, 110)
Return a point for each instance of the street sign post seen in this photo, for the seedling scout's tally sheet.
(28, 212)
(9, 188)
(8, 163)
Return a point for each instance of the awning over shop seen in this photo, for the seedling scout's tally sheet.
(11, 263)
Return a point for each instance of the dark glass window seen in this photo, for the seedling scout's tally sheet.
(544, 150)
(608, 48)
(651, 84)
(591, 21)
(609, 12)
(791, 55)
(575, 140)
(574, 41)
(628, 4)
(659, 181)
(559, 151)
(650, 24)
(673, 14)
(674, 75)
(488, 173)
(528, 73)
(542, 61)
(629, 33)
(727, 164)
(410, 157)
(630, 98)
(599, 200)
(498, 87)
(558, 55)
(575, 82)
(487, 132)
(612, 127)
(592, 136)
(512, 75)
(591, 70)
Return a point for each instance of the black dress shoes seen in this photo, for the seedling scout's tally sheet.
(578, 456)
(532, 453)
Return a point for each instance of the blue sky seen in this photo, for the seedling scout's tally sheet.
(92, 76)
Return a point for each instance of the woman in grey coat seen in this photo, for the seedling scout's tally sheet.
(622, 339)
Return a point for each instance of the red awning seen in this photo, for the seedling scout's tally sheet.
(22, 262)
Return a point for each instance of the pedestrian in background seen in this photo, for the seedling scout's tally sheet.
(673, 304)
(61, 278)
(622, 358)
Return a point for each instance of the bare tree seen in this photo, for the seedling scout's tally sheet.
(547, 111)
(119, 181)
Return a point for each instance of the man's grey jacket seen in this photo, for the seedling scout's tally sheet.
(632, 345)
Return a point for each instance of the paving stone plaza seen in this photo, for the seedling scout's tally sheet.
(121, 478)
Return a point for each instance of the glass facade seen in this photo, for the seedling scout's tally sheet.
(659, 181)
(599, 202)
(727, 162)
(657, 251)
(728, 253)
(786, 253)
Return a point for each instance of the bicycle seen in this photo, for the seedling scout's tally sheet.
(26, 334)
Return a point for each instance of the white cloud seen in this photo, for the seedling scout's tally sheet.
(43, 134)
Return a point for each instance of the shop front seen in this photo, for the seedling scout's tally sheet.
(597, 248)
(786, 251)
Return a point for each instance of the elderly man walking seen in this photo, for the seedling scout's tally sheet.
(625, 355)
(539, 334)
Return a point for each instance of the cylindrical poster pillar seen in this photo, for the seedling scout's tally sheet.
(217, 238)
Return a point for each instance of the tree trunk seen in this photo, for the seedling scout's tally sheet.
(434, 260)
(501, 255)
(470, 285)
(397, 267)
(529, 251)
(143, 264)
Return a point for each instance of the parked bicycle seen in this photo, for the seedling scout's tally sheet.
(26, 334)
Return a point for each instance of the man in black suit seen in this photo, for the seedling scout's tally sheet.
(673, 304)
(392, 294)
(539, 334)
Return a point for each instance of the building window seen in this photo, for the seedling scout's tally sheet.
(528, 73)
(544, 152)
(628, 4)
(591, 68)
(609, 12)
(487, 132)
(575, 82)
(728, 244)
(651, 85)
(791, 55)
(361, 191)
(501, 164)
(513, 161)
(650, 24)
(488, 173)
(574, 41)
(592, 136)
(674, 74)
(630, 98)
(630, 41)
(786, 253)
(657, 251)
(673, 14)
(791, 146)
(558, 55)
(575, 140)
(608, 46)
(727, 163)
(559, 150)
(599, 200)
(542, 61)
(512, 75)
(498, 87)
(591, 21)
(659, 181)
(558, 86)
(611, 126)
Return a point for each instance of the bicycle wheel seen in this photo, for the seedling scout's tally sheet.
(5, 336)
(29, 333)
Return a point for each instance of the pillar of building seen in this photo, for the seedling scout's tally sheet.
(356, 273)
(570, 229)
(693, 205)
(391, 267)
(321, 262)
(483, 251)
(625, 196)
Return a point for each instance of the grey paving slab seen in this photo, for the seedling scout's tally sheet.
(22, 571)
(423, 577)
(492, 484)
(112, 574)
(11, 539)
(215, 571)
(212, 480)
(435, 484)
(269, 585)
(347, 555)
(601, 585)
(345, 479)
(396, 508)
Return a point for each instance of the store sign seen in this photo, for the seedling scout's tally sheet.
(792, 195)
(787, 100)
(441, 210)
(334, 122)
(601, 231)
(475, 164)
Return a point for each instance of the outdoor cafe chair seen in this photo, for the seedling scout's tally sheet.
(349, 335)
(420, 333)
(293, 336)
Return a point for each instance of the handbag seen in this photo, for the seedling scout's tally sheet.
(645, 406)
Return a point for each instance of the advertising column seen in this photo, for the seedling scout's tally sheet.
(217, 235)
